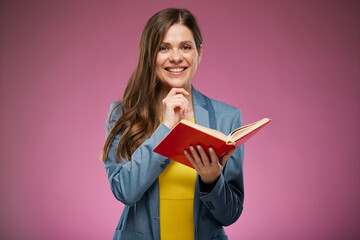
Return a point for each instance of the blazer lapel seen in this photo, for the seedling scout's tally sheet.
(202, 118)
(200, 112)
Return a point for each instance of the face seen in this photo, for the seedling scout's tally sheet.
(177, 58)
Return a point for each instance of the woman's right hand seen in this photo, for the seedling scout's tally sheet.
(174, 107)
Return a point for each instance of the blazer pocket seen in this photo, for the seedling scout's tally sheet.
(127, 235)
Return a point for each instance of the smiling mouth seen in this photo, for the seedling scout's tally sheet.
(176, 70)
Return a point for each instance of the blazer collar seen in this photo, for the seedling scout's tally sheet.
(200, 112)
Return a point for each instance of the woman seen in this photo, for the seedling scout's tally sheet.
(164, 199)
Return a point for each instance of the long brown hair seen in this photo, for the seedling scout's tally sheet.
(139, 103)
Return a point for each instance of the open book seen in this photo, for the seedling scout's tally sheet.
(186, 133)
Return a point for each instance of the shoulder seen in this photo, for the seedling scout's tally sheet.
(226, 116)
(224, 108)
(219, 107)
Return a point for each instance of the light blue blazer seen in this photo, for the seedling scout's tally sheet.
(135, 183)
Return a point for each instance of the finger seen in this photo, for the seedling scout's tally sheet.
(213, 157)
(175, 99)
(177, 102)
(227, 155)
(191, 160)
(185, 104)
(175, 91)
(204, 157)
(181, 107)
(196, 157)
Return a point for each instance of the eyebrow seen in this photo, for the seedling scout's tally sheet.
(183, 42)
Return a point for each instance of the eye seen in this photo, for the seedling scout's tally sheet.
(163, 48)
(186, 47)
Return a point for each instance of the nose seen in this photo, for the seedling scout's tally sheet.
(175, 56)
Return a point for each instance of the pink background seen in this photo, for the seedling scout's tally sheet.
(297, 62)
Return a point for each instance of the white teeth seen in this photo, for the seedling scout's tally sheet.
(175, 70)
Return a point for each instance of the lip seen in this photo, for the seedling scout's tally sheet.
(174, 67)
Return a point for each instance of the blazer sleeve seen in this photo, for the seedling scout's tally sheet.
(129, 180)
(225, 200)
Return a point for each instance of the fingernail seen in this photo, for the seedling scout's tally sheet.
(185, 152)
(187, 92)
(192, 148)
(198, 146)
(211, 149)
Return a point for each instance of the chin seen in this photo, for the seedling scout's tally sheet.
(180, 85)
(173, 83)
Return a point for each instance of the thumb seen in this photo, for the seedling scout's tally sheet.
(227, 155)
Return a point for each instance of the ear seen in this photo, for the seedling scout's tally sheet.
(200, 53)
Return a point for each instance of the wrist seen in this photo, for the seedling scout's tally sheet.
(209, 181)
(169, 125)
(207, 186)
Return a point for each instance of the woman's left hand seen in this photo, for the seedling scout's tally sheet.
(208, 167)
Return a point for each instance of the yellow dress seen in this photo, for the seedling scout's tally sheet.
(176, 189)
